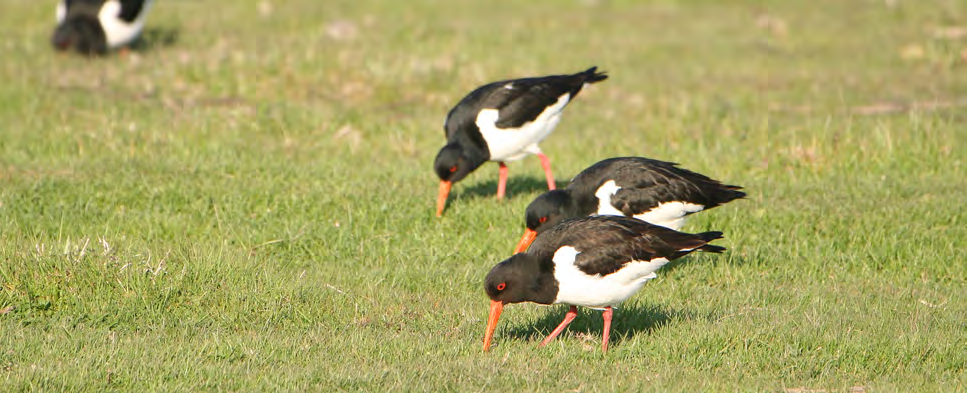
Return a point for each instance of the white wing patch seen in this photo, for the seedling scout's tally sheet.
(670, 214)
(604, 194)
(512, 144)
(61, 11)
(667, 214)
(578, 288)
(117, 31)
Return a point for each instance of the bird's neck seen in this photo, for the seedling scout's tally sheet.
(580, 203)
(475, 154)
(546, 286)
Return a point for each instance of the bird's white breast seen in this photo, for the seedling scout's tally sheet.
(596, 291)
(61, 11)
(117, 31)
(511, 144)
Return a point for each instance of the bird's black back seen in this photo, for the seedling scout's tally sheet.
(130, 9)
(645, 183)
(519, 105)
(606, 243)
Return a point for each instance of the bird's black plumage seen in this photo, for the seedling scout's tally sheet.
(596, 261)
(522, 278)
(131, 9)
(608, 243)
(84, 26)
(519, 105)
(644, 184)
(81, 30)
(466, 147)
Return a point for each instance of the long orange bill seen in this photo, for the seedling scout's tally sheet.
(441, 199)
(526, 240)
(495, 308)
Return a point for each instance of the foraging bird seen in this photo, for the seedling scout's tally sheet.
(93, 27)
(651, 190)
(504, 121)
(594, 262)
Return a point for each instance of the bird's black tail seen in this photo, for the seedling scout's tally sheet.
(708, 237)
(730, 193)
(592, 76)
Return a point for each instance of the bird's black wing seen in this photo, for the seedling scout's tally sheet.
(606, 243)
(518, 101)
(131, 9)
(646, 183)
(527, 98)
(522, 101)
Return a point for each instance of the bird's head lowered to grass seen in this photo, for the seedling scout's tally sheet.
(452, 164)
(81, 31)
(546, 211)
(520, 278)
(94, 27)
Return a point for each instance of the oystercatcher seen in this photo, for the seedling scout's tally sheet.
(594, 262)
(504, 121)
(96, 26)
(655, 191)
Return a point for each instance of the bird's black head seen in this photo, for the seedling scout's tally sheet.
(452, 164)
(547, 210)
(521, 278)
(82, 33)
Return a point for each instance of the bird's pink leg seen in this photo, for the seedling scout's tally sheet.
(607, 327)
(502, 181)
(546, 164)
(571, 314)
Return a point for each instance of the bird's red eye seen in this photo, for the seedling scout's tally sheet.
(501, 286)
(543, 220)
(453, 169)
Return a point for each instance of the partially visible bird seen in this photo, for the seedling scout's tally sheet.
(504, 121)
(651, 190)
(594, 262)
(92, 27)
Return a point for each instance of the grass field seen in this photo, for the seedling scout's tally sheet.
(246, 202)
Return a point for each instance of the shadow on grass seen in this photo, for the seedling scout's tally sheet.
(520, 185)
(627, 322)
(700, 258)
(153, 38)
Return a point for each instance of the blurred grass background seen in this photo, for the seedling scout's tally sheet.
(246, 201)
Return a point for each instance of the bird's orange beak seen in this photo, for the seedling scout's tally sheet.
(495, 308)
(441, 199)
(526, 240)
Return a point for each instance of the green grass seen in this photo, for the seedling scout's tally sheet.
(246, 204)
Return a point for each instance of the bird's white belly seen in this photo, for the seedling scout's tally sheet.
(667, 214)
(511, 144)
(61, 11)
(117, 31)
(578, 288)
(670, 214)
